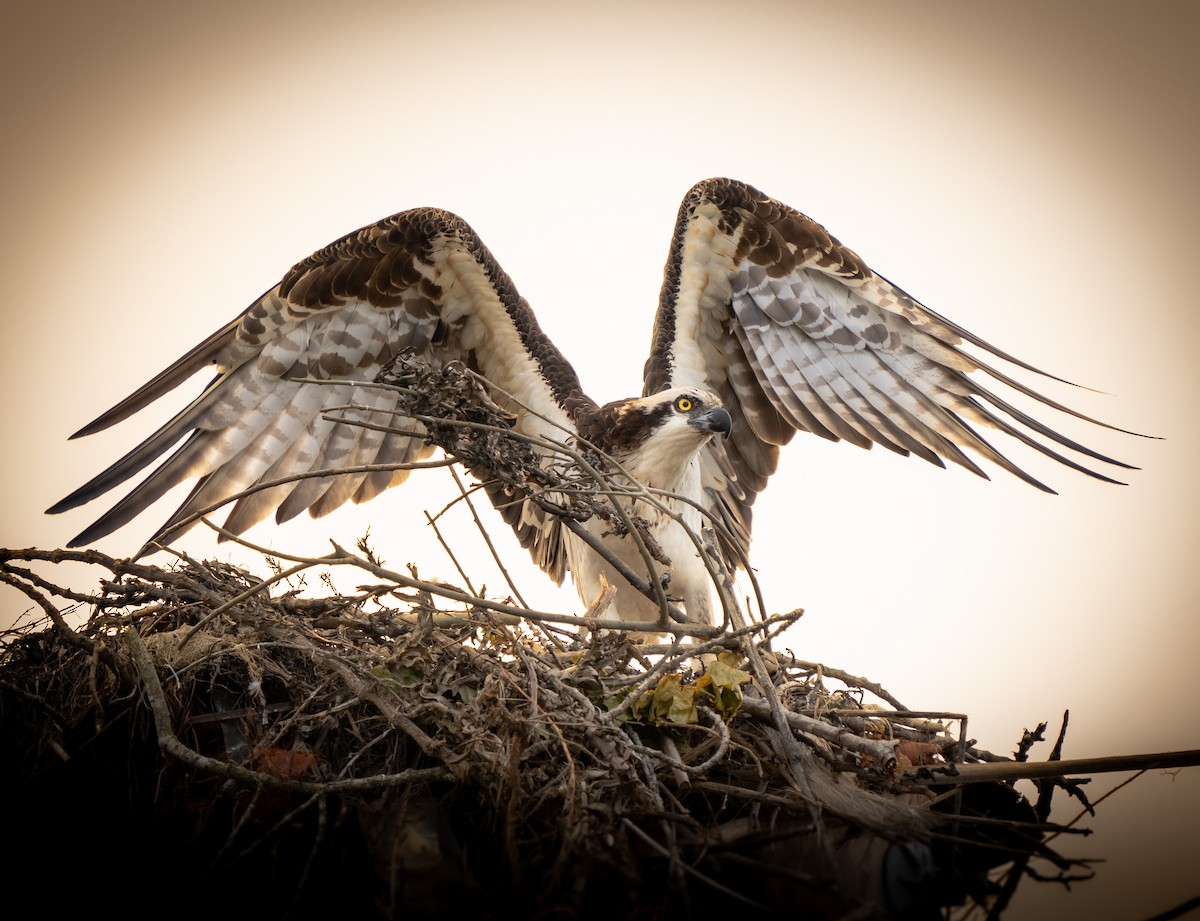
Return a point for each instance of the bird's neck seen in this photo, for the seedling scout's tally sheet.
(672, 469)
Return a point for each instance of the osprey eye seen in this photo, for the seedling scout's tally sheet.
(683, 404)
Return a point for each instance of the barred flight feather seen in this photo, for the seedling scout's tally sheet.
(766, 326)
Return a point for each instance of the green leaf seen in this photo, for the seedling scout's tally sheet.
(408, 675)
(405, 676)
(467, 692)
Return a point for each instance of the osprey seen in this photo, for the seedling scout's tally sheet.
(767, 325)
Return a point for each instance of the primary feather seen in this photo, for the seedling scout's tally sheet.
(763, 315)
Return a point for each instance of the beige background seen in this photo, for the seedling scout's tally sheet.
(1029, 172)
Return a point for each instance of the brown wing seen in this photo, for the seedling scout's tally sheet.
(419, 280)
(796, 333)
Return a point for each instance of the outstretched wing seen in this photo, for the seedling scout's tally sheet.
(421, 281)
(796, 333)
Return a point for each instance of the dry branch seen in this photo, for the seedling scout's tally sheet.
(418, 749)
(1040, 770)
(512, 738)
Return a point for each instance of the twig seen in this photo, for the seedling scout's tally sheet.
(1031, 770)
(170, 744)
(882, 751)
(248, 593)
(450, 553)
(695, 874)
(846, 678)
(1178, 911)
(487, 538)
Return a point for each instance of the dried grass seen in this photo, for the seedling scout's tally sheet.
(213, 740)
(395, 753)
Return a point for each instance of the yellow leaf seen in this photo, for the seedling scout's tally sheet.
(727, 680)
(724, 673)
(675, 703)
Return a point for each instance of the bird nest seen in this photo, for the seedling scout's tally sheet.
(215, 736)
(211, 739)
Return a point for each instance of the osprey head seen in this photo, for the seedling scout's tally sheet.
(678, 421)
(700, 409)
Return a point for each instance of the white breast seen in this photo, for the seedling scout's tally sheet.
(689, 579)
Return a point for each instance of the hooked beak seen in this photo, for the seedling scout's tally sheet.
(714, 419)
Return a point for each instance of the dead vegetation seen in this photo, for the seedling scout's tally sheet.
(209, 739)
(391, 752)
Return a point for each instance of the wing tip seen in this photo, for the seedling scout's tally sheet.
(88, 535)
(99, 424)
(81, 496)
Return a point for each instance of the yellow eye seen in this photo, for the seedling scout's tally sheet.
(683, 404)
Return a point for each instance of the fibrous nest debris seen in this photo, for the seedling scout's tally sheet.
(212, 740)
(207, 736)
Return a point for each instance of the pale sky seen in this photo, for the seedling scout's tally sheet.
(1029, 172)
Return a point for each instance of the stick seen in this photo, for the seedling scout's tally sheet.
(1029, 770)
(170, 744)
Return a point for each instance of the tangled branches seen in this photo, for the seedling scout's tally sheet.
(466, 759)
(418, 749)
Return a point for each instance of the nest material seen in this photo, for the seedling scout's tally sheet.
(215, 741)
(203, 739)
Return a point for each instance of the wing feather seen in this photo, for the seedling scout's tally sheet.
(784, 387)
(284, 403)
(759, 304)
(846, 400)
(825, 345)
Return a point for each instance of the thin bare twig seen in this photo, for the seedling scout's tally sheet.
(169, 742)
